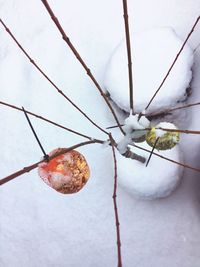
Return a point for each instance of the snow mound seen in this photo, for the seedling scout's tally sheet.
(159, 179)
(153, 52)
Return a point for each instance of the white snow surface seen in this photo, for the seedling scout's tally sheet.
(40, 227)
(131, 125)
(164, 125)
(153, 52)
(157, 180)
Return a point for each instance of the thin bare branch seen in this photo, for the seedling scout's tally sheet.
(128, 47)
(131, 155)
(35, 165)
(164, 129)
(179, 131)
(35, 135)
(162, 113)
(172, 65)
(172, 130)
(117, 223)
(79, 58)
(168, 159)
(114, 126)
(128, 153)
(168, 111)
(152, 151)
(47, 78)
(47, 120)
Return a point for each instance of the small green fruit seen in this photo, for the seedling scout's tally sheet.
(167, 140)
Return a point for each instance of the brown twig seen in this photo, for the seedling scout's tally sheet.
(129, 155)
(168, 159)
(164, 129)
(35, 165)
(172, 130)
(114, 126)
(128, 47)
(167, 111)
(179, 131)
(47, 78)
(161, 113)
(115, 205)
(79, 58)
(47, 120)
(35, 135)
(172, 65)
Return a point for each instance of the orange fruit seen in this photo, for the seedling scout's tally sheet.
(67, 173)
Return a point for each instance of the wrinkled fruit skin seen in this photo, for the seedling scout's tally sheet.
(67, 173)
(167, 141)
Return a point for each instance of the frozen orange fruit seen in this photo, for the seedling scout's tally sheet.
(67, 173)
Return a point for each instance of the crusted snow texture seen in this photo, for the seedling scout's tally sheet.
(131, 125)
(153, 53)
(165, 125)
(159, 179)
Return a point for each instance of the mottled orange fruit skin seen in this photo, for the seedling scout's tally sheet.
(67, 173)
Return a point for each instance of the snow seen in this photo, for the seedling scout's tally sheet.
(40, 227)
(133, 122)
(157, 180)
(144, 122)
(123, 143)
(153, 53)
(159, 132)
(133, 126)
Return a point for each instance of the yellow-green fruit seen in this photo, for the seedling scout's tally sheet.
(167, 140)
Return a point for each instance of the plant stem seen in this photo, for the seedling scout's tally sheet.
(162, 113)
(79, 58)
(172, 130)
(164, 129)
(49, 80)
(131, 155)
(179, 131)
(128, 47)
(47, 120)
(168, 159)
(152, 151)
(117, 223)
(35, 165)
(35, 135)
(166, 111)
